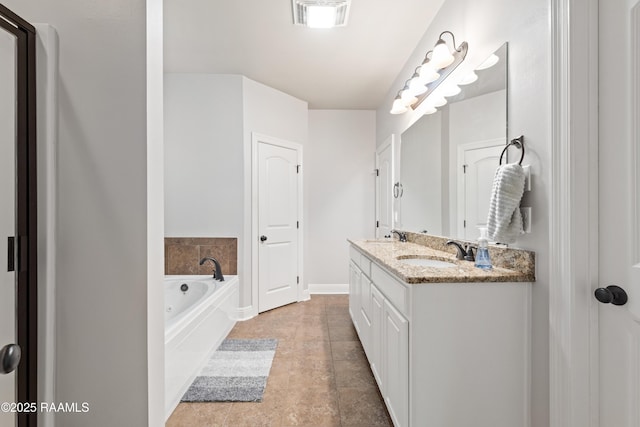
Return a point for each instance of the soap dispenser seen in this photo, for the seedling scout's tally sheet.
(482, 256)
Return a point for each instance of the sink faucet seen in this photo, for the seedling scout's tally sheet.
(464, 254)
(217, 273)
(401, 236)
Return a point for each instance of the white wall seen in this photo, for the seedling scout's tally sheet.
(266, 111)
(339, 192)
(101, 275)
(209, 119)
(485, 25)
(203, 155)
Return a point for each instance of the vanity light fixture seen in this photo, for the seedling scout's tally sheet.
(321, 13)
(430, 74)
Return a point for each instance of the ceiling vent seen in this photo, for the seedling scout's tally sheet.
(321, 14)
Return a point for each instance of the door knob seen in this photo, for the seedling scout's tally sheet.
(263, 238)
(611, 294)
(9, 358)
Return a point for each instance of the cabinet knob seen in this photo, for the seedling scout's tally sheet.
(263, 238)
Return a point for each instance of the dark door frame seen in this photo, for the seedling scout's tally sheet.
(26, 211)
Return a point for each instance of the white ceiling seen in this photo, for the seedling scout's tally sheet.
(351, 67)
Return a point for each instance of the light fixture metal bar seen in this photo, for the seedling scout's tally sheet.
(459, 54)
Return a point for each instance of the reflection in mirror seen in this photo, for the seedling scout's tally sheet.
(448, 159)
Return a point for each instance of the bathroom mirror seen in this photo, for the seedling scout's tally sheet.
(448, 159)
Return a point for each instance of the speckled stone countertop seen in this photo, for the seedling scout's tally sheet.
(387, 253)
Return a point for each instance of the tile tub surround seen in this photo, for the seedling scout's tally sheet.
(509, 265)
(182, 255)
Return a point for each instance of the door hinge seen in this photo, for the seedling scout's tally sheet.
(377, 172)
(298, 168)
(298, 279)
(297, 224)
(377, 224)
(464, 223)
(464, 168)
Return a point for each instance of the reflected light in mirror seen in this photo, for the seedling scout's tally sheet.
(468, 79)
(438, 101)
(398, 106)
(489, 62)
(451, 89)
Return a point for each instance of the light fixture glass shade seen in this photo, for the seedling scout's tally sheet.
(398, 106)
(430, 110)
(437, 100)
(450, 90)
(407, 97)
(441, 57)
(489, 62)
(321, 16)
(416, 86)
(468, 79)
(427, 73)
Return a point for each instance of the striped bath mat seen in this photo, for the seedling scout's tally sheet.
(236, 372)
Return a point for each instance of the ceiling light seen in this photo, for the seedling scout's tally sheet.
(320, 13)
(430, 74)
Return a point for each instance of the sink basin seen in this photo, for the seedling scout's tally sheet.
(426, 262)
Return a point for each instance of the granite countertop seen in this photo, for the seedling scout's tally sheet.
(386, 253)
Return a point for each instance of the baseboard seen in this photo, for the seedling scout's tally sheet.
(246, 313)
(328, 288)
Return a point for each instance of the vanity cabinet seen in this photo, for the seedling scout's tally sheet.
(444, 354)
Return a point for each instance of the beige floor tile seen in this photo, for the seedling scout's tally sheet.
(362, 408)
(343, 333)
(348, 350)
(353, 373)
(311, 408)
(199, 415)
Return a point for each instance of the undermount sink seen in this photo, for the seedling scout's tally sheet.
(425, 262)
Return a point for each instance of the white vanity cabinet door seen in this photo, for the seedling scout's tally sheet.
(375, 338)
(365, 313)
(395, 364)
(354, 294)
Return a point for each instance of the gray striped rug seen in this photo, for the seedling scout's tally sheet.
(236, 372)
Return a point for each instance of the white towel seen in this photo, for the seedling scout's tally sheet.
(504, 222)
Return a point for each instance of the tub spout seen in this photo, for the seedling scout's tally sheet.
(217, 273)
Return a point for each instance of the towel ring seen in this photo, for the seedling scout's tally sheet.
(517, 142)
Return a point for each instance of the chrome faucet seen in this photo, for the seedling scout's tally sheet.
(465, 253)
(217, 273)
(401, 236)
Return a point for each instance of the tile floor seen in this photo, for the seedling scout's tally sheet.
(320, 375)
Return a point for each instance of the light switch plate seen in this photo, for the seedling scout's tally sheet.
(527, 177)
(526, 219)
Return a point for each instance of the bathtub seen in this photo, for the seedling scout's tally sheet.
(196, 321)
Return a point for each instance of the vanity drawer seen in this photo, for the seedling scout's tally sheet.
(393, 290)
(360, 260)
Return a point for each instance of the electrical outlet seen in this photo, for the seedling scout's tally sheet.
(526, 219)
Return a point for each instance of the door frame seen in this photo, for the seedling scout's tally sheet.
(26, 225)
(392, 143)
(573, 316)
(257, 138)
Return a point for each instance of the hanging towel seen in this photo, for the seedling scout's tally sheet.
(504, 222)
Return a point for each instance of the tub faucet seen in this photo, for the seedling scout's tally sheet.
(401, 236)
(217, 273)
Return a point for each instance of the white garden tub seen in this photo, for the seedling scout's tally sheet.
(197, 319)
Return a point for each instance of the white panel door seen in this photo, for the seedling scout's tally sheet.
(619, 214)
(384, 192)
(476, 171)
(7, 212)
(277, 226)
